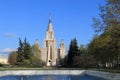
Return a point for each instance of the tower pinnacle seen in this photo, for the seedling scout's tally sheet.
(49, 17)
(49, 24)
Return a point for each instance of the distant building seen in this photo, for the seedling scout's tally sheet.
(50, 54)
(3, 60)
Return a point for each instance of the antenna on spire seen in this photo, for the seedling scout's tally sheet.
(49, 17)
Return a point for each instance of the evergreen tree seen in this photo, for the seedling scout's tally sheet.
(24, 53)
(20, 52)
(26, 49)
(73, 51)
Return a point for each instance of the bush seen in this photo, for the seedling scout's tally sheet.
(26, 63)
(1, 65)
(36, 62)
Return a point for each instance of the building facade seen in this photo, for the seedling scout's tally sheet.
(50, 54)
(3, 60)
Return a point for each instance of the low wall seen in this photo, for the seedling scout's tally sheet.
(42, 72)
(106, 75)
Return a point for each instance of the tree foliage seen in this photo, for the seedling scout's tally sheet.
(26, 49)
(109, 16)
(24, 52)
(73, 51)
(36, 58)
(36, 50)
(12, 58)
(28, 56)
(106, 47)
(20, 56)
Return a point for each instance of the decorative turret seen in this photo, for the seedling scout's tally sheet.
(62, 44)
(62, 49)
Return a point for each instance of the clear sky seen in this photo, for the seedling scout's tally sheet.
(29, 18)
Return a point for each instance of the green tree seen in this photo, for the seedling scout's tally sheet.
(109, 16)
(83, 60)
(36, 50)
(24, 53)
(36, 62)
(26, 49)
(73, 51)
(108, 44)
(63, 62)
(82, 50)
(12, 59)
(94, 50)
(20, 55)
(36, 56)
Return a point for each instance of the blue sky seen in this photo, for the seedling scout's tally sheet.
(29, 18)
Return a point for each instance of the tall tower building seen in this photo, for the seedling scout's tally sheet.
(50, 54)
(50, 45)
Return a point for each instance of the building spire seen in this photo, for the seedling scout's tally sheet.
(49, 24)
(49, 17)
